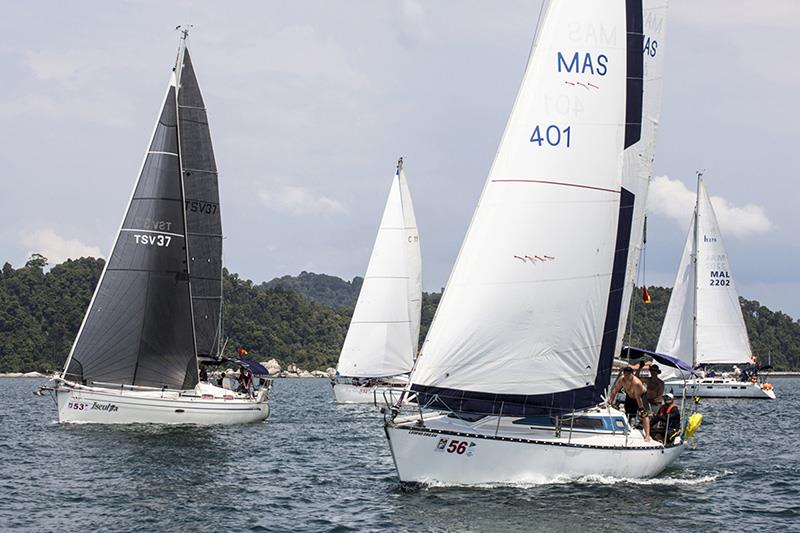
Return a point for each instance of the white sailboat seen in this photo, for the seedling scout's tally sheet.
(704, 325)
(511, 380)
(157, 308)
(381, 343)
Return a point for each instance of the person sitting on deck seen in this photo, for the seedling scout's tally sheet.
(246, 381)
(634, 388)
(667, 423)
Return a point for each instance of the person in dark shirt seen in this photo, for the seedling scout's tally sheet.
(203, 373)
(246, 381)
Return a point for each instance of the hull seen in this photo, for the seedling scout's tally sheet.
(437, 454)
(720, 388)
(99, 406)
(375, 395)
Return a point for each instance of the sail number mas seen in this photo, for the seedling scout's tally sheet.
(553, 135)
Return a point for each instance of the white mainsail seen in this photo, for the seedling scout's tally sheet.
(638, 158)
(384, 332)
(705, 290)
(531, 310)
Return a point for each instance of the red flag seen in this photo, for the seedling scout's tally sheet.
(645, 295)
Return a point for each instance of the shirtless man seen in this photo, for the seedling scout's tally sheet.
(655, 388)
(635, 389)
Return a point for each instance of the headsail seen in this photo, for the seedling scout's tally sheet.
(138, 329)
(384, 332)
(677, 331)
(203, 218)
(528, 321)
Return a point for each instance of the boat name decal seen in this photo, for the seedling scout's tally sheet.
(81, 406)
(422, 433)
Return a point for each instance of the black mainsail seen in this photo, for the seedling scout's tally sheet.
(203, 219)
(157, 305)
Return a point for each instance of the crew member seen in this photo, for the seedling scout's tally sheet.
(655, 387)
(634, 388)
(246, 381)
(667, 423)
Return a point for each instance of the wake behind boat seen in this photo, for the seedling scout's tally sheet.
(511, 382)
(157, 308)
(381, 343)
(704, 325)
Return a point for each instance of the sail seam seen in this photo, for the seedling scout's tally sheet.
(157, 152)
(562, 183)
(153, 231)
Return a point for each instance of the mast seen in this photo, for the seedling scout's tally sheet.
(184, 31)
(694, 263)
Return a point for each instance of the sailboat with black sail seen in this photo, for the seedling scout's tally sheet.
(381, 343)
(511, 382)
(158, 305)
(704, 325)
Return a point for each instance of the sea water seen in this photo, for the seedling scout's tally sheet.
(319, 466)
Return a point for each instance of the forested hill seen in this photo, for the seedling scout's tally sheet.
(321, 288)
(296, 319)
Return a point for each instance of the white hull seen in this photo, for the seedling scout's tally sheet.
(441, 453)
(720, 388)
(108, 406)
(376, 395)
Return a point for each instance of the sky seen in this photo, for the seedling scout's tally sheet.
(310, 104)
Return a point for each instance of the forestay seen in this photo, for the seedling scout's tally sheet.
(384, 332)
(528, 321)
(720, 334)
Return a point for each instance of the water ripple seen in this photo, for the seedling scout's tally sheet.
(317, 466)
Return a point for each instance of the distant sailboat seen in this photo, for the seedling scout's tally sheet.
(511, 380)
(381, 343)
(704, 325)
(157, 308)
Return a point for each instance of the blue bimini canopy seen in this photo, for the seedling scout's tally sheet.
(256, 368)
(664, 359)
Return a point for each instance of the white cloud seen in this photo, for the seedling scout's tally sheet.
(56, 248)
(672, 199)
(300, 201)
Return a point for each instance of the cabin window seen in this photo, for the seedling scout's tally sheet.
(584, 423)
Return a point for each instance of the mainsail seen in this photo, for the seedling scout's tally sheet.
(705, 289)
(384, 332)
(638, 157)
(528, 321)
(166, 260)
(203, 218)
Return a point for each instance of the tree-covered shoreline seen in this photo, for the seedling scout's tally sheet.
(296, 319)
